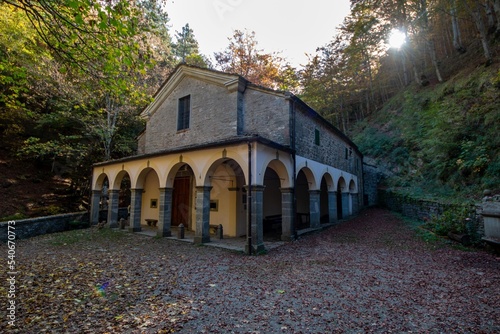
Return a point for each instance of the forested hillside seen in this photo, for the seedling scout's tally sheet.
(75, 74)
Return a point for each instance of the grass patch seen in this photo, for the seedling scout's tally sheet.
(82, 236)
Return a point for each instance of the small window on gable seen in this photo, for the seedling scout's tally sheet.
(316, 136)
(183, 113)
(348, 152)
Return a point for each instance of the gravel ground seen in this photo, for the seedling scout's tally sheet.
(370, 274)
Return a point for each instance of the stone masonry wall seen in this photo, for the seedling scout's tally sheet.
(213, 117)
(420, 209)
(371, 179)
(28, 228)
(332, 148)
(267, 115)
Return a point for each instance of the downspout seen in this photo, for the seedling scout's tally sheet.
(249, 200)
(294, 165)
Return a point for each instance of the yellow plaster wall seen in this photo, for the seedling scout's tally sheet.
(151, 191)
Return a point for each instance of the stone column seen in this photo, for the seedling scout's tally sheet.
(314, 210)
(135, 210)
(113, 208)
(332, 207)
(287, 215)
(346, 205)
(165, 217)
(95, 207)
(354, 204)
(202, 234)
(257, 222)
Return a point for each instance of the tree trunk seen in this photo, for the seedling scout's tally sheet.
(481, 28)
(496, 7)
(457, 36)
(429, 39)
(488, 6)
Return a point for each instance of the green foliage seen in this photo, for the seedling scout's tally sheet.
(74, 75)
(374, 143)
(16, 216)
(79, 236)
(440, 142)
(458, 220)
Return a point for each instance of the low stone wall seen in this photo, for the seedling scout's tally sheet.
(27, 228)
(31, 227)
(371, 178)
(420, 209)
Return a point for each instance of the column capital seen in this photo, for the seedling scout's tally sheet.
(204, 188)
(113, 191)
(255, 187)
(314, 192)
(286, 190)
(96, 192)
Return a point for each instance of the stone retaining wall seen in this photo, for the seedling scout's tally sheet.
(31, 227)
(420, 209)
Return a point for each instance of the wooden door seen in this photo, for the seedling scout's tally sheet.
(180, 201)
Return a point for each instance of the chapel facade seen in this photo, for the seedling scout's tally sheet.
(219, 150)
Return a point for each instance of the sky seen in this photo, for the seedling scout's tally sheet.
(291, 27)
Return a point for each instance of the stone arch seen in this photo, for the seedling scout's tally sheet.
(181, 182)
(342, 198)
(100, 181)
(117, 181)
(352, 187)
(304, 183)
(282, 169)
(99, 199)
(227, 155)
(226, 180)
(141, 177)
(122, 184)
(148, 183)
(326, 186)
(172, 173)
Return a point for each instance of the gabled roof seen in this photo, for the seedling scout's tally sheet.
(232, 82)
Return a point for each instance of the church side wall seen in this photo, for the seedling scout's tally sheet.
(332, 148)
(212, 117)
(267, 115)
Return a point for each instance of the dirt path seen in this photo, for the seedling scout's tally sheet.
(367, 275)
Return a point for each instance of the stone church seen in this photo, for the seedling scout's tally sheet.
(219, 150)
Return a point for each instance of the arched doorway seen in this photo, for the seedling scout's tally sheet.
(227, 197)
(272, 206)
(341, 202)
(182, 197)
(303, 201)
(150, 198)
(323, 200)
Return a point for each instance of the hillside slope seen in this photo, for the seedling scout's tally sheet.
(31, 190)
(440, 141)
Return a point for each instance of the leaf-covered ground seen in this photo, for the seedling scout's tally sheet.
(370, 274)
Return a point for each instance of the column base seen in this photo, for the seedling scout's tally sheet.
(164, 234)
(256, 249)
(135, 229)
(287, 237)
(201, 240)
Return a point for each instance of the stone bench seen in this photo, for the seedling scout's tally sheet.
(213, 229)
(151, 222)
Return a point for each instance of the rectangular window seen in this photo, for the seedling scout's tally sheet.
(183, 113)
(316, 136)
